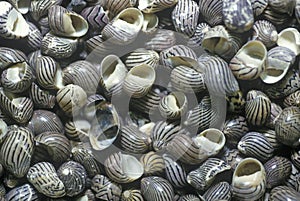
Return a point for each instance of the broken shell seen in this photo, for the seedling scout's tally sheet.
(156, 189)
(153, 163)
(290, 38)
(265, 32)
(174, 105)
(140, 56)
(154, 6)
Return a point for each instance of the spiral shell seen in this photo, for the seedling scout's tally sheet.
(283, 193)
(39, 9)
(95, 16)
(220, 191)
(202, 177)
(153, 163)
(290, 38)
(277, 18)
(174, 105)
(201, 29)
(175, 172)
(132, 195)
(22, 193)
(9, 56)
(249, 180)
(189, 197)
(234, 129)
(292, 99)
(283, 6)
(13, 25)
(73, 176)
(140, 56)
(265, 32)
(156, 5)
(271, 137)
(41, 98)
(44, 178)
(156, 189)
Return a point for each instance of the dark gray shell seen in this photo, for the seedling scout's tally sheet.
(175, 172)
(283, 6)
(297, 10)
(294, 179)
(153, 163)
(189, 197)
(73, 176)
(292, 100)
(22, 193)
(276, 18)
(41, 98)
(220, 191)
(280, 193)
(156, 189)
(106, 189)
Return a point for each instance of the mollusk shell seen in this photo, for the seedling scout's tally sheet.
(295, 158)
(40, 8)
(3, 134)
(283, 193)
(150, 24)
(197, 38)
(276, 18)
(140, 56)
(41, 98)
(265, 32)
(220, 191)
(174, 105)
(175, 172)
(271, 137)
(115, 7)
(290, 38)
(132, 195)
(297, 10)
(22, 193)
(77, 130)
(156, 189)
(212, 11)
(283, 6)
(66, 23)
(21, 5)
(259, 6)
(292, 100)
(34, 38)
(232, 157)
(13, 25)
(9, 56)
(156, 5)
(153, 163)
(95, 16)
(249, 180)
(93, 103)
(162, 39)
(190, 197)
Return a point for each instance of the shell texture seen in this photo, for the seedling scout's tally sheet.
(22, 193)
(212, 11)
(175, 172)
(156, 5)
(156, 188)
(265, 32)
(153, 163)
(259, 6)
(220, 191)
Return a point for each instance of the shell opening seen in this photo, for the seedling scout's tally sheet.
(211, 140)
(290, 38)
(75, 25)
(253, 53)
(248, 173)
(17, 24)
(130, 19)
(143, 75)
(23, 6)
(150, 22)
(16, 72)
(176, 101)
(132, 167)
(217, 45)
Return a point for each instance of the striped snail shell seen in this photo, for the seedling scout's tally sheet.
(201, 29)
(265, 32)
(115, 7)
(220, 191)
(162, 39)
(3, 134)
(293, 180)
(297, 10)
(132, 195)
(212, 11)
(203, 177)
(106, 189)
(19, 139)
(278, 169)
(249, 180)
(250, 61)
(235, 102)
(123, 168)
(71, 99)
(280, 193)
(95, 16)
(190, 197)
(238, 15)
(44, 121)
(17, 78)
(232, 157)
(124, 28)
(175, 172)
(39, 9)
(156, 189)
(32, 57)
(73, 176)
(290, 38)
(22, 193)
(56, 145)
(58, 47)
(153, 163)
(82, 73)
(254, 144)
(77, 129)
(287, 126)
(156, 5)
(88, 195)
(44, 178)
(185, 17)
(292, 100)
(13, 24)
(234, 129)
(139, 80)
(283, 6)
(44, 26)
(133, 140)
(271, 137)
(34, 38)
(259, 6)
(66, 23)
(22, 6)
(150, 24)
(257, 108)
(9, 56)
(186, 79)
(140, 56)
(295, 158)
(277, 18)
(41, 98)
(92, 105)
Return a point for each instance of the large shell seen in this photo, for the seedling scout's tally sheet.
(254, 144)
(290, 38)
(156, 189)
(220, 191)
(44, 178)
(249, 61)
(96, 17)
(287, 126)
(41, 98)
(115, 7)
(140, 56)
(40, 8)
(153, 163)
(162, 39)
(9, 56)
(175, 172)
(156, 5)
(278, 169)
(238, 15)
(202, 177)
(13, 25)
(265, 32)
(132, 195)
(123, 168)
(284, 193)
(106, 189)
(174, 105)
(211, 11)
(22, 193)
(17, 162)
(73, 176)
(249, 180)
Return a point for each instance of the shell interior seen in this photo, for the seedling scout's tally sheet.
(150, 22)
(74, 25)
(16, 72)
(210, 140)
(290, 38)
(16, 24)
(58, 78)
(132, 167)
(275, 71)
(130, 19)
(143, 75)
(176, 101)
(253, 54)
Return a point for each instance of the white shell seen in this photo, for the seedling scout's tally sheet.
(290, 38)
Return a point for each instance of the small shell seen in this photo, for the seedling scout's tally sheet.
(220, 191)
(24, 192)
(58, 47)
(292, 99)
(278, 169)
(156, 5)
(96, 17)
(249, 180)
(140, 56)
(265, 32)
(233, 157)
(283, 6)
(162, 39)
(115, 7)
(254, 144)
(106, 189)
(280, 193)
(71, 99)
(40, 8)
(150, 24)
(156, 189)
(287, 126)
(294, 179)
(73, 176)
(41, 98)
(123, 168)
(44, 25)
(249, 61)
(202, 177)
(139, 80)
(212, 11)
(44, 178)
(13, 25)
(132, 195)
(3, 134)
(259, 6)
(185, 17)
(153, 163)
(56, 145)
(45, 121)
(175, 172)
(77, 129)
(290, 38)
(21, 5)
(174, 105)
(19, 139)
(9, 56)
(238, 15)
(257, 108)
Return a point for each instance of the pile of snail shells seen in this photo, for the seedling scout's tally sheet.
(161, 100)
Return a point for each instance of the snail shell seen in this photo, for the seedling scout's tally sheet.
(259, 6)
(3, 134)
(212, 11)
(292, 99)
(39, 9)
(283, 6)
(290, 38)
(123, 168)
(249, 180)
(24, 192)
(21, 5)
(150, 24)
(41, 98)
(283, 193)
(34, 38)
(92, 105)
(220, 191)
(115, 7)
(265, 32)
(201, 29)
(95, 16)
(153, 163)
(277, 18)
(156, 5)
(132, 195)
(106, 189)
(190, 197)
(13, 24)
(293, 180)
(232, 157)
(297, 10)
(44, 178)
(140, 56)
(77, 130)
(271, 137)
(44, 25)
(162, 39)
(156, 189)
(9, 56)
